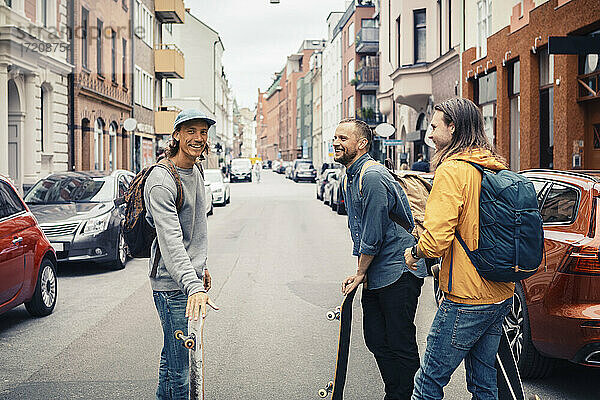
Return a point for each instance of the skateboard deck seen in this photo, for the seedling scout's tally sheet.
(194, 341)
(510, 386)
(344, 314)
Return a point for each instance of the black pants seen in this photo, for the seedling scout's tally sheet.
(390, 333)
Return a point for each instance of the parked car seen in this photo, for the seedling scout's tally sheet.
(303, 169)
(555, 311)
(28, 262)
(219, 186)
(322, 181)
(77, 212)
(327, 188)
(209, 196)
(275, 165)
(241, 170)
(337, 199)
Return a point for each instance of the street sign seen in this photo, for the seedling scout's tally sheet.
(393, 142)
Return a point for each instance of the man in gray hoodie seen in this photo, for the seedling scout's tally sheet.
(182, 279)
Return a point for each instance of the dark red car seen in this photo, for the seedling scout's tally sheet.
(27, 260)
(556, 312)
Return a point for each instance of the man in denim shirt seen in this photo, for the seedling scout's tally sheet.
(389, 298)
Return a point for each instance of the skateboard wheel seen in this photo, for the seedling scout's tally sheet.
(331, 315)
(322, 393)
(330, 384)
(179, 334)
(189, 343)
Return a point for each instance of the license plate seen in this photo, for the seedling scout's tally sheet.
(58, 246)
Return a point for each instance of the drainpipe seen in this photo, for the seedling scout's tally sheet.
(71, 83)
(132, 79)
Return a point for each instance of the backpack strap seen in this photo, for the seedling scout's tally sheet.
(364, 167)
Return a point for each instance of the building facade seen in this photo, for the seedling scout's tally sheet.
(332, 85)
(540, 109)
(316, 67)
(101, 84)
(419, 66)
(34, 76)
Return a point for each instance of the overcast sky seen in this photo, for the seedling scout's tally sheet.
(258, 36)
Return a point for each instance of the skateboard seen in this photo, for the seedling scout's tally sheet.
(510, 386)
(194, 341)
(342, 313)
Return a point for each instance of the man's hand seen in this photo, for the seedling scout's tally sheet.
(197, 305)
(207, 280)
(351, 282)
(411, 262)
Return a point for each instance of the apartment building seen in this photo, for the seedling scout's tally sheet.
(101, 84)
(332, 85)
(205, 86)
(540, 109)
(316, 68)
(419, 66)
(34, 71)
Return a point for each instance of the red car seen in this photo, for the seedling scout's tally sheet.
(556, 312)
(27, 260)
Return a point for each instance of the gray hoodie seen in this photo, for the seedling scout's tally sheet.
(183, 238)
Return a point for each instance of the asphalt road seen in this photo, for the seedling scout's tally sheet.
(277, 257)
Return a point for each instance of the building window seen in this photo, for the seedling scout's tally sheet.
(169, 28)
(124, 63)
(144, 23)
(44, 12)
(168, 89)
(144, 90)
(399, 42)
(351, 110)
(112, 147)
(484, 26)
(84, 37)
(99, 48)
(351, 72)
(99, 145)
(351, 34)
(8, 3)
(420, 36)
(485, 93)
(546, 109)
(113, 55)
(43, 114)
(514, 90)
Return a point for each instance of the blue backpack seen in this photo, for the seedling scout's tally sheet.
(511, 238)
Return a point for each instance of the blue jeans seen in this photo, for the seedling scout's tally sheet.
(173, 372)
(462, 332)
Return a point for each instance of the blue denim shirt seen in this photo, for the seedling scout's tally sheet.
(372, 230)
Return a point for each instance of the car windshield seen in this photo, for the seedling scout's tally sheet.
(213, 176)
(71, 189)
(241, 163)
(304, 164)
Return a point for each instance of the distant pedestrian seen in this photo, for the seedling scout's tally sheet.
(421, 164)
(180, 278)
(391, 290)
(404, 166)
(468, 323)
(256, 170)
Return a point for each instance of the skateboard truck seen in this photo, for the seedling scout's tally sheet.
(326, 390)
(189, 342)
(334, 314)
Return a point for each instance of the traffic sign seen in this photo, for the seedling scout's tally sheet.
(393, 142)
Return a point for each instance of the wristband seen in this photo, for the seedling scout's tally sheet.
(414, 252)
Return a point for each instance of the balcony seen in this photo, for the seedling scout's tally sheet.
(589, 86)
(370, 116)
(169, 61)
(164, 119)
(413, 86)
(367, 40)
(367, 78)
(170, 11)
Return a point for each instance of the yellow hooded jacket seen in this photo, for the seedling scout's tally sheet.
(453, 204)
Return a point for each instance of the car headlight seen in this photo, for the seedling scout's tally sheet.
(96, 225)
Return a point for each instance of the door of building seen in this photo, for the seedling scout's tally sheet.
(592, 135)
(14, 151)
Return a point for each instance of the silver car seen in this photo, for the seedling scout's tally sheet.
(219, 186)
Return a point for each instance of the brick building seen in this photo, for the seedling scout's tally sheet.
(540, 110)
(101, 84)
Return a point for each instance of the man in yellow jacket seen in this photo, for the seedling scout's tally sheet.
(468, 323)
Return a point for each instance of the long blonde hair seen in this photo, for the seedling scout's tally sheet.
(468, 129)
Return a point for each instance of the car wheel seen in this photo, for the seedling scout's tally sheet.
(121, 256)
(44, 297)
(531, 363)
